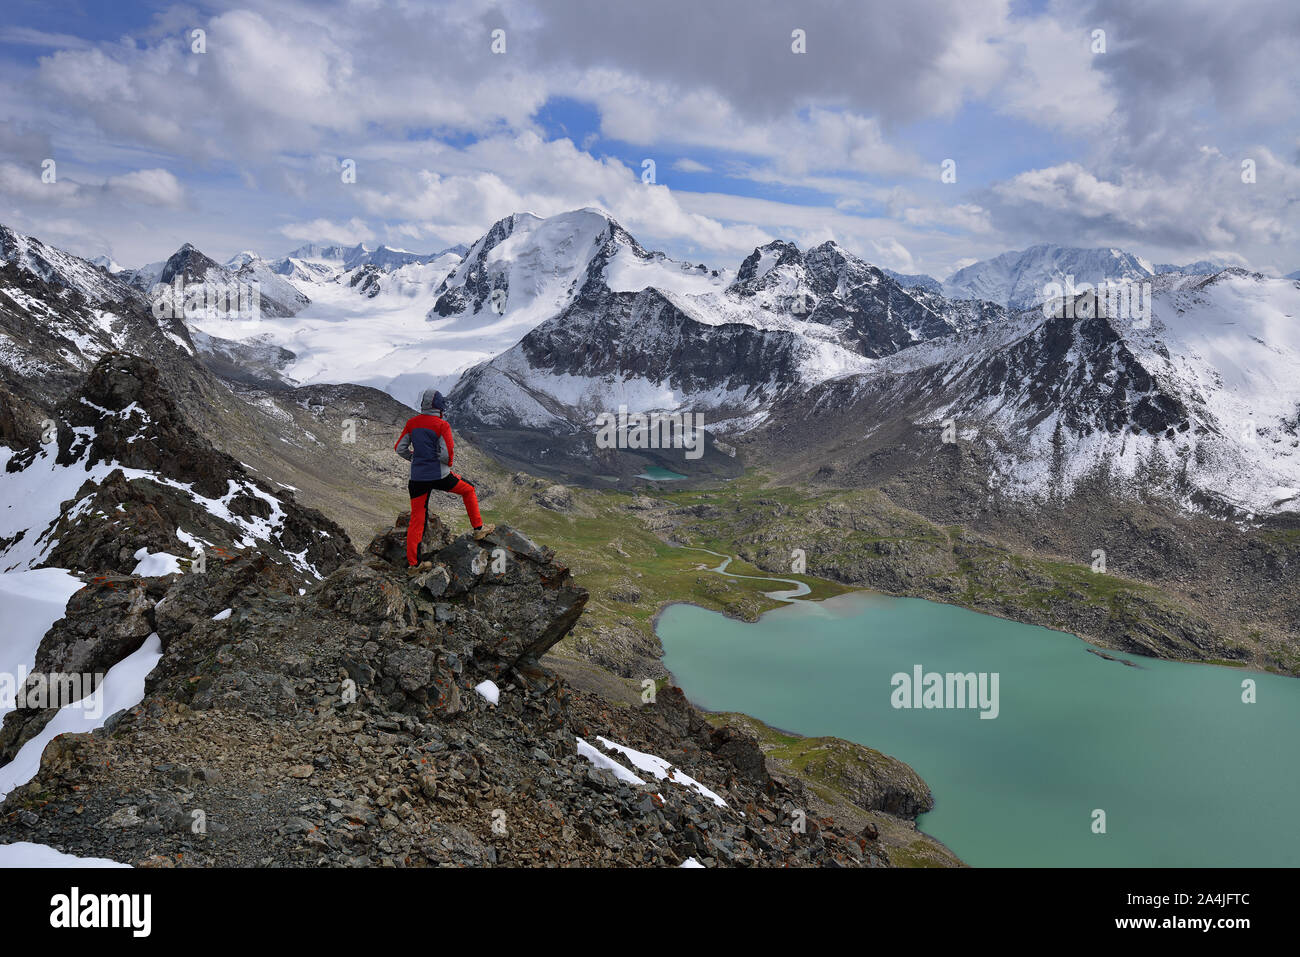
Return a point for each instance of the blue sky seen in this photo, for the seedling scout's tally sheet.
(239, 146)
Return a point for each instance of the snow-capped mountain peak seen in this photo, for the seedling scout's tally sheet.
(60, 313)
(57, 267)
(526, 269)
(858, 303)
(241, 259)
(328, 252)
(1202, 267)
(1018, 279)
(247, 270)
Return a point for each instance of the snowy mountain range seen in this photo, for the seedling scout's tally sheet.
(608, 324)
(352, 257)
(1194, 403)
(1198, 406)
(543, 324)
(1017, 279)
(915, 281)
(1202, 267)
(190, 267)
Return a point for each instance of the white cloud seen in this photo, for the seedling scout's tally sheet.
(91, 76)
(817, 139)
(1053, 79)
(967, 217)
(26, 36)
(322, 230)
(1209, 207)
(156, 187)
(533, 175)
(880, 240)
(24, 183)
(1137, 145)
(893, 255)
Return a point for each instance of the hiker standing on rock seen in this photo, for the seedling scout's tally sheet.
(427, 444)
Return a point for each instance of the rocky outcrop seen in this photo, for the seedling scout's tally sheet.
(557, 498)
(105, 622)
(391, 545)
(368, 716)
(190, 495)
(352, 725)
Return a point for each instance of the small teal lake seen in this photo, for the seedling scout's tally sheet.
(1186, 773)
(658, 473)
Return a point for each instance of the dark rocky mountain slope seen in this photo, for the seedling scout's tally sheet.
(324, 707)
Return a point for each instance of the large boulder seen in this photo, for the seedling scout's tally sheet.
(369, 595)
(520, 599)
(557, 498)
(390, 544)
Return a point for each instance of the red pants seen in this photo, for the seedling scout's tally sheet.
(419, 492)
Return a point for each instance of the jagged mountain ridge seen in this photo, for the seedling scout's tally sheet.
(1202, 267)
(1171, 409)
(51, 336)
(351, 257)
(529, 269)
(58, 315)
(1016, 279)
(524, 271)
(676, 338)
(281, 283)
(631, 344)
(188, 265)
(870, 313)
(121, 441)
(1161, 399)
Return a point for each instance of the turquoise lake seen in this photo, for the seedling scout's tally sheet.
(1186, 773)
(658, 473)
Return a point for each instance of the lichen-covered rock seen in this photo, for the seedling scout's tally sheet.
(466, 562)
(366, 594)
(434, 582)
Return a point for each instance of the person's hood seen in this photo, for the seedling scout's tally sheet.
(431, 400)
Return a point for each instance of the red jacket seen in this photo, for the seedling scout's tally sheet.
(427, 444)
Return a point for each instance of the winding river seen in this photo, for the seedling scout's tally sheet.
(800, 588)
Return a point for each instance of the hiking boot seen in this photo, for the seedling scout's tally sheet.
(416, 569)
(483, 531)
